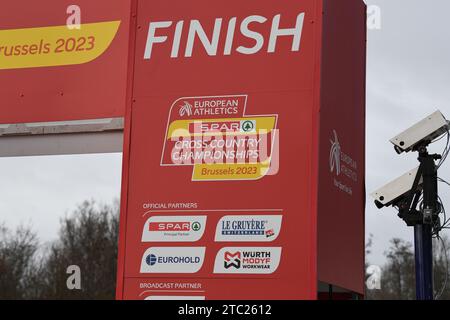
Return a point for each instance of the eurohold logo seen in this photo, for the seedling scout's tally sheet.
(246, 260)
(151, 259)
(223, 35)
(253, 228)
(174, 229)
(172, 260)
(342, 165)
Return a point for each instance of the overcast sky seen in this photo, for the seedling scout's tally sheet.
(38, 191)
(408, 77)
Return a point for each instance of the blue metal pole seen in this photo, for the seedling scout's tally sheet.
(424, 261)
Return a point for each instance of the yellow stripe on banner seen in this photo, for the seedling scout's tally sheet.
(181, 128)
(234, 171)
(55, 46)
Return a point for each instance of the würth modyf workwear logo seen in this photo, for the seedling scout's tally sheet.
(335, 155)
(232, 260)
(247, 260)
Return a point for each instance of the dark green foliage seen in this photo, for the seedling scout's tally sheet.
(87, 238)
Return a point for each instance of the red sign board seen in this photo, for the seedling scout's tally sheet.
(51, 71)
(244, 141)
(228, 161)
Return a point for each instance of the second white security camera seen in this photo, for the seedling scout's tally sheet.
(395, 191)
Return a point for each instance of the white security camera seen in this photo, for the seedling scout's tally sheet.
(397, 190)
(422, 133)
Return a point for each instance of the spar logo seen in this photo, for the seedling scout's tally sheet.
(172, 260)
(247, 260)
(174, 228)
(256, 228)
(185, 109)
(218, 127)
(248, 126)
(343, 166)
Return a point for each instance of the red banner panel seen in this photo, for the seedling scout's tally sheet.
(341, 194)
(60, 61)
(227, 153)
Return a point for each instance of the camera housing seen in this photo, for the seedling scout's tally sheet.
(395, 191)
(422, 133)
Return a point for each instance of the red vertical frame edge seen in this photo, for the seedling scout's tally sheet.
(315, 148)
(126, 154)
(340, 243)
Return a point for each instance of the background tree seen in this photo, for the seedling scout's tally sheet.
(398, 276)
(398, 273)
(88, 239)
(17, 262)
